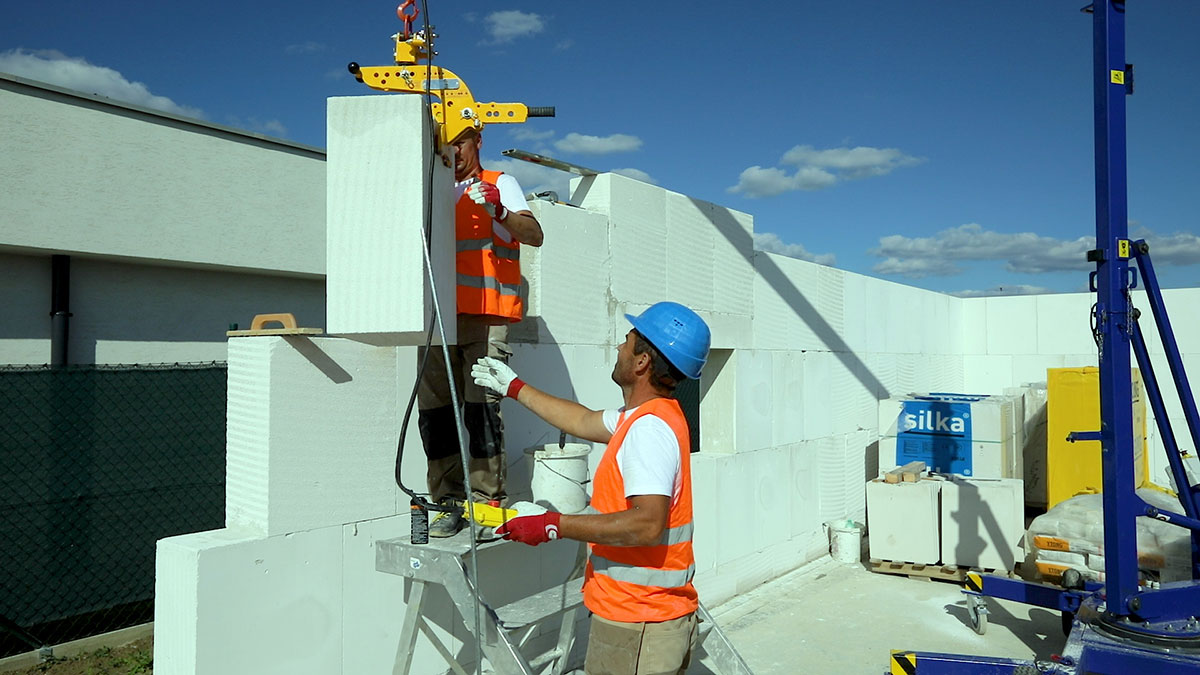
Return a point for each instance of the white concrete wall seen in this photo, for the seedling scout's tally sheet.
(175, 227)
(1013, 340)
(82, 175)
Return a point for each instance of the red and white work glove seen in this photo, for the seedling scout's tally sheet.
(488, 196)
(534, 526)
(495, 374)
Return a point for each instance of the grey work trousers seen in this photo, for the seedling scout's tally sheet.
(480, 409)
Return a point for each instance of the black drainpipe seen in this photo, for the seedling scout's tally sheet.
(60, 308)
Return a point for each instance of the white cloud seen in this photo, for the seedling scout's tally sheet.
(917, 268)
(598, 145)
(508, 25)
(1014, 289)
(309, 47)
(524, 133)
(56, 68)
(564, 45)
(1023, 252)
(771, 243)
(636, 174)
(1181, 248)
(819, 169)
(759, 182)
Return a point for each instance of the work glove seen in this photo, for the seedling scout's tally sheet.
(532, 530)
(495, 375)
(488, 196)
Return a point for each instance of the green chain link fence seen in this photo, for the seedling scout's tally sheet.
(96, 464)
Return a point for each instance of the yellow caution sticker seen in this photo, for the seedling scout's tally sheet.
(903, 663)
(1118, 76)
(1123, 248)
(974, 582)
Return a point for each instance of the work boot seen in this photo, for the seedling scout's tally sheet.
(447, 524)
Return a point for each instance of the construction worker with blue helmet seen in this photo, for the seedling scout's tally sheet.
(638, 583)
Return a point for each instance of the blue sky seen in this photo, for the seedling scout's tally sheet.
(944, 144)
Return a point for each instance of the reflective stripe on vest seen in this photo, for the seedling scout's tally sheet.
(489, 283)
(486, 245)
(489, 268)
(643, 583)
(643, 576)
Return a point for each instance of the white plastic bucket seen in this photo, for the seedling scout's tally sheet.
(845, 542)
(560, 476)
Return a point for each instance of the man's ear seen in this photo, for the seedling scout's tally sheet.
(641, 363)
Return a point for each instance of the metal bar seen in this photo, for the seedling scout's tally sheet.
(1112, 305)
(408, 631)
(1171, 349)
(1029, 593)
(1154, 393)
(724, 655)
(550, 162)
(935, 663)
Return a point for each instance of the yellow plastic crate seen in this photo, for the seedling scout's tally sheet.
(1073, 404)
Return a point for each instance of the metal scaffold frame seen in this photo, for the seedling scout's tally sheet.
(1117, 626)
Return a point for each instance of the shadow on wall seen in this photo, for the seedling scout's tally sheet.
(725, 223)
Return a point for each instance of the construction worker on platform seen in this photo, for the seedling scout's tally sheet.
(638, 583)
(492, 220)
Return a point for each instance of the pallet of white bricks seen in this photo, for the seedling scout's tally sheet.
(950, 496)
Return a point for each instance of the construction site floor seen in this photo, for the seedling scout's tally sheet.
(832, 617)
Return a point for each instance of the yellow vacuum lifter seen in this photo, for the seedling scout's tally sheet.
(456, 110)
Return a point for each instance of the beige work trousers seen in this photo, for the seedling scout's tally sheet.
(646, 648)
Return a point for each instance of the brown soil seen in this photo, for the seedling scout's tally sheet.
(135, 658)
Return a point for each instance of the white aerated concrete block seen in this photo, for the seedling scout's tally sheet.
(733, 260)
(312, 433)
(805, 489)
(857, 322)
(787, 422)
(983, 373)
(637, 214)
(983, 522)
(378, 196)
(785, 304)
(690, 255)
(568, 276)
(818, 403)
(1064, 323)
(736, 537)
(834, 492)
(974, 325)
(903, 521)
(706, 507)
(227, 601)
(1012, 325)
(754, 405)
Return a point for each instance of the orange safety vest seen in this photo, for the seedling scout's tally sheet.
(489, 268)
(643, 583)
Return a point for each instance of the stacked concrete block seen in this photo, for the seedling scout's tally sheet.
(787, 398)
(978, 436)
(381, 192)
(982, 522)
(228, 601)
(568, 278)
(691, 252)
(903, 520)
(311, 433)
(637, 215)
(754, 404)
(1012, 323)
(785, 304)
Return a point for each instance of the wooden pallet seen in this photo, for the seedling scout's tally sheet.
(940, 572)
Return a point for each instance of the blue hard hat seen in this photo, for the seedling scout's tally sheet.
(678, 333)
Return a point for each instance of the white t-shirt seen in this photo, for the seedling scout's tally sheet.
(511, 196)
(648, 456)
